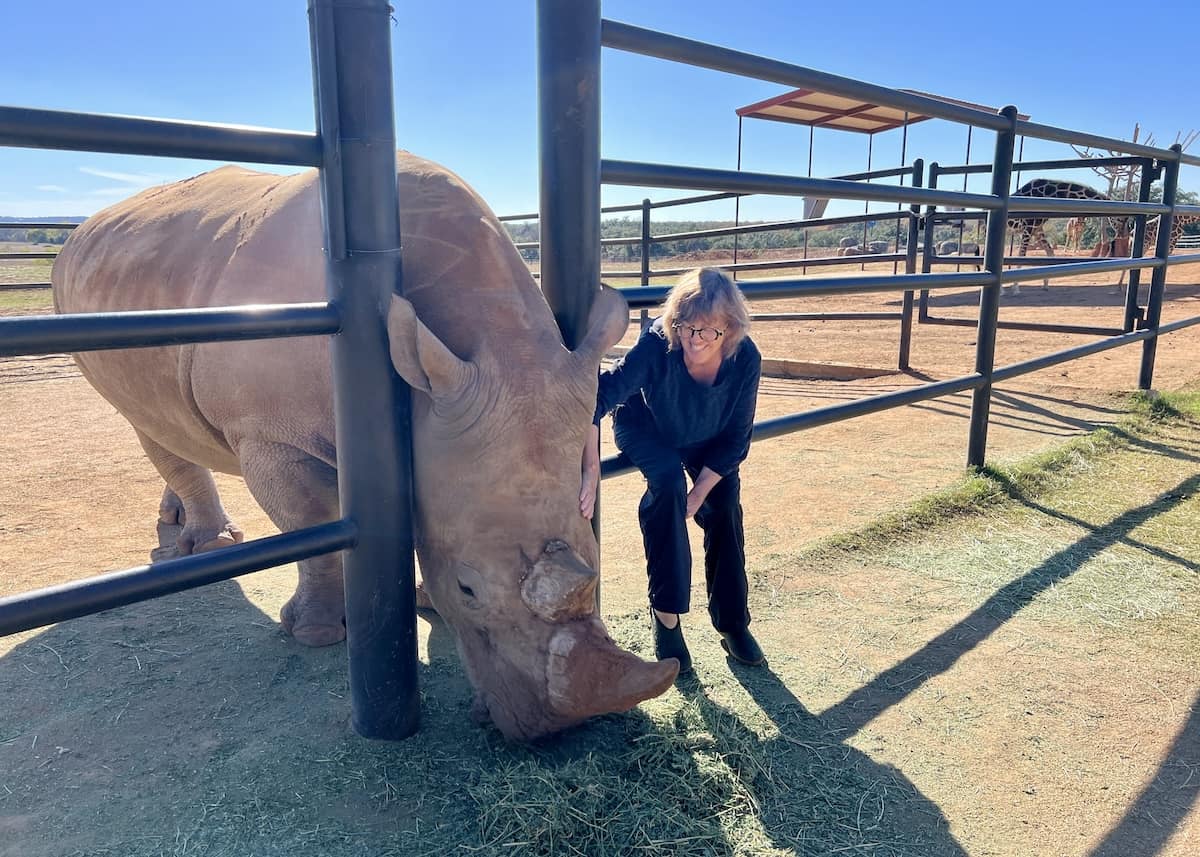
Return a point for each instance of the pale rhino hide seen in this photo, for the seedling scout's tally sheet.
(500, 412)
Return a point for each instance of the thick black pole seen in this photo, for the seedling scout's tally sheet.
(569, 166)
(352, 72)
(1158, 279)
(569, 149)
(1132, 307)
(989, 296)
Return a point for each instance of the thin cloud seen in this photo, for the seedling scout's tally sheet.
(51, 188)
(136, 179)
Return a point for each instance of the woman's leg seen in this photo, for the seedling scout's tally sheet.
(725, 555)
(660, 513)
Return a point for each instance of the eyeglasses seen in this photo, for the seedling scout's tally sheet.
(707, 334)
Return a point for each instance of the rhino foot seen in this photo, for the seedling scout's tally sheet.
(175, 540)
(314, 624)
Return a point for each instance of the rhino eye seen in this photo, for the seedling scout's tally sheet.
(471, 585)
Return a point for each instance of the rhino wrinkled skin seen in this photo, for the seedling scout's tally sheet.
(500, 411)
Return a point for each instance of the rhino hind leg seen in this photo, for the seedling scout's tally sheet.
(297, 491)
(191, 518)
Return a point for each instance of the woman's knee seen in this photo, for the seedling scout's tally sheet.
(666, 481)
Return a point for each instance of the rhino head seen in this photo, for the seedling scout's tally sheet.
(501, 409)
(507, 559)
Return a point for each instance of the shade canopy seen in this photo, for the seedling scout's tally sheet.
(825, 110)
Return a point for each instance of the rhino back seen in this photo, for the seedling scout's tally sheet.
(228, 237)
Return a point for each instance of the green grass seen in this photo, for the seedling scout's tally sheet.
(994, 486)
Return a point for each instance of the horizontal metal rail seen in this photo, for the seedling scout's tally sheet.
(1079, 138)
(19, 256)
(135, 135)
(1024, 325)
(1049, 206)
(720, 231)
(52, 604)
(18, 287)
(139, 329)
(765, 265)
(1023, 275)
(826, 316)
(640, 297)
(619, 464)
(1028, 166)
(20, 224)
(625, 37)
(1013, 370)
(668, 175)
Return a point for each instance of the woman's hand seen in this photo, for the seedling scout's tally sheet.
(590, 473)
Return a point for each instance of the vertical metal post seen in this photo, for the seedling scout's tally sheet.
(644, 319)
(737, 200)
(903, 157)
(569, 147)
(351, 45)
(1158, 279)
(928, 247)
(910, 267)
(1132, 309)
(962, 224)
(804, 269)
(989, 297)
(867, 202)
(569, 167)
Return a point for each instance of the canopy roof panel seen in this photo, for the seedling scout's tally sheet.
(825, 110)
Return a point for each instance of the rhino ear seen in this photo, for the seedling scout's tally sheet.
(421, 358)
(607, 323)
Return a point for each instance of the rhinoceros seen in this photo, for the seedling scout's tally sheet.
(500, 411)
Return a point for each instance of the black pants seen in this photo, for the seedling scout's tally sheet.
(661, 514)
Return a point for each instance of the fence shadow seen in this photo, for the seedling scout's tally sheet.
(943, 651)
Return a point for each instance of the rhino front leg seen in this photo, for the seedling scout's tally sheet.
(191, 518)
(297, 491)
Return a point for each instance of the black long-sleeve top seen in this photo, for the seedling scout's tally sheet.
(687, 413)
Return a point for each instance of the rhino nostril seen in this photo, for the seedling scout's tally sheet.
(466, 590)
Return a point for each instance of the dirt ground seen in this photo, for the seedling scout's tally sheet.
(78, 499)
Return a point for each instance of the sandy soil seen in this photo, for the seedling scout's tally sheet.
(78, 497)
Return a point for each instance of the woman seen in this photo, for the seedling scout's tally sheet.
(684, 399)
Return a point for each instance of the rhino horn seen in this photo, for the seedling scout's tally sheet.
(588, 674)
(560, 585)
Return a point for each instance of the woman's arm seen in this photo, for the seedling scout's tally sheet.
(706, 480)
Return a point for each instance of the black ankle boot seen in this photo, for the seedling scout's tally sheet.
(668, 643)
(742, 646)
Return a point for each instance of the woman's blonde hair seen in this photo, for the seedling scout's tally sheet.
(707, 292)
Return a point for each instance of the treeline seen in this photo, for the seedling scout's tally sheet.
(12, 231)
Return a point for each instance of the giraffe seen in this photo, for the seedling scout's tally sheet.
(1075, 233)
(1031, 228)
(1177, 226)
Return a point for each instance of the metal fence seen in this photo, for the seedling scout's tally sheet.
(580, 32)
(354, 147)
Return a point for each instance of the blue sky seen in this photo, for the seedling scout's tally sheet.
(466, 89)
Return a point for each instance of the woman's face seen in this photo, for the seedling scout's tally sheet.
(701, 337)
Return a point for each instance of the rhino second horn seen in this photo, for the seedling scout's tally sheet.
(560, 585)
